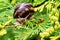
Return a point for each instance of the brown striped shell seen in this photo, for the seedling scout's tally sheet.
(22, 10)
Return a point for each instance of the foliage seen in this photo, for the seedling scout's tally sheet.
(49, 29)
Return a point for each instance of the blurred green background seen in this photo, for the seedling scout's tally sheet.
(49, 29)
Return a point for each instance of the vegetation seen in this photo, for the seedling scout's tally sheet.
(49, 29)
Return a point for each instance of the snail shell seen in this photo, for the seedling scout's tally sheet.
(22, 10)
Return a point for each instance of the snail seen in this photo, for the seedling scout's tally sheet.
(24, 11)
